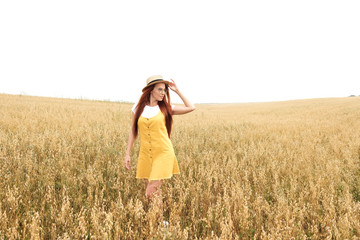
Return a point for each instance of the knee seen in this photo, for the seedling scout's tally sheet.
(152, 188)
(149, 190)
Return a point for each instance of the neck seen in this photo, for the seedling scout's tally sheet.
(153, 102)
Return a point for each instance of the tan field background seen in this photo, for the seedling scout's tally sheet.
(281, 170)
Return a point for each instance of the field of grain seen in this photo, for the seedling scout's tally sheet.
(281, 170)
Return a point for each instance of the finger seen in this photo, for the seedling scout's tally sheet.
(127, 164)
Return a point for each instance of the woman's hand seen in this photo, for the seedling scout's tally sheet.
(189, 107)
(127, 161)
(172, 86)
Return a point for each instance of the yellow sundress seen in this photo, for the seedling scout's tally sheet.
(157, 159)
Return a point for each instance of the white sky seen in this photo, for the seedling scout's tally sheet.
(216, 51)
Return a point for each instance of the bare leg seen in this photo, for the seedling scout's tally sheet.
(153, 189)
(153, 193)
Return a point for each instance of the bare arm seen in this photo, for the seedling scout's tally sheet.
(189, 107)
(131, 141)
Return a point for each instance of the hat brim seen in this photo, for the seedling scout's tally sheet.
(155, 82)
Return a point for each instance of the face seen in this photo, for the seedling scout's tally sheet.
(159, 91)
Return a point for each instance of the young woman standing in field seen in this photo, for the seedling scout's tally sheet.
(152, 119)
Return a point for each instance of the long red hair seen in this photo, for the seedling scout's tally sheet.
(164, 106)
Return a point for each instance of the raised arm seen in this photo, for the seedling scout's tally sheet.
(178, 110)
(131, 141)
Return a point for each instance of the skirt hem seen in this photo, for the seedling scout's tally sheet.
(156, 178)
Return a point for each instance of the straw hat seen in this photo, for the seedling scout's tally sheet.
(154, 80)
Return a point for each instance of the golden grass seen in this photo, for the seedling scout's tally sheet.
(282, 170)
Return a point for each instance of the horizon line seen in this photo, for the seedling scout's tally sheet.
(208, 103)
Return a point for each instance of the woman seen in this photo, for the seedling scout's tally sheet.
(152, 119)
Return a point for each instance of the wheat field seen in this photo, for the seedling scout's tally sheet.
(280, 170)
